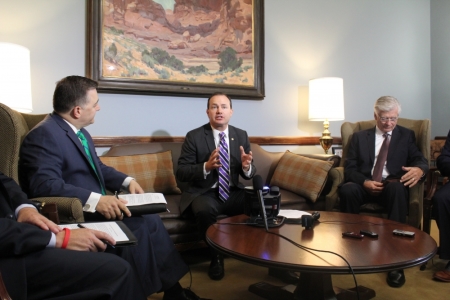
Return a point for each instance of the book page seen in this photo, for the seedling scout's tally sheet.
(141, 199)
(111, 228)
(292, 213)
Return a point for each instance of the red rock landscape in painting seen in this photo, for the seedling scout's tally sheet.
(197, 41)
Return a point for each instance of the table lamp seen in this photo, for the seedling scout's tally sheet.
(326, 103)
(15, 77)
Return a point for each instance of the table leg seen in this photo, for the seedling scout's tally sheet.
(311, 286)
(315, 286)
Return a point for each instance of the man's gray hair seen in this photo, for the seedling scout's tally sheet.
(386, 104)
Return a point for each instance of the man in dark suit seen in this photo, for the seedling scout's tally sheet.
(403, 168)
(34, 266)
(200, 165)
(58, 158)
(441, 212)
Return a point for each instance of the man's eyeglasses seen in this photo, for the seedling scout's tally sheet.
(392, 119)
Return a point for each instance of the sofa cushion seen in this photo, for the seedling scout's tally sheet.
(154, 172)
(301, 175)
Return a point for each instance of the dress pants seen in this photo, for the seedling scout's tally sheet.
(441, 212)
(67, 274)
(394, 197)
(208, 206)
(155, 261)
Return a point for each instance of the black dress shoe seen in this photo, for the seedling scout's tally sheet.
(286, 276)
(395, 278)
(186, 294)
(216, 270)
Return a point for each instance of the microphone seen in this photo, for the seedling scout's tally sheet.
(258, 186)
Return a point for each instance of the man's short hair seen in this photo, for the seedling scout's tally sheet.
(385, 104)
(219, 94)
(71, 91)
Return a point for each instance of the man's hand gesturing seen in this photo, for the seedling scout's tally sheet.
(246, 159)
(213, 161)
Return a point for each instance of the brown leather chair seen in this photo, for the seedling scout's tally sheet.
(434, 181)
(422, 130)
(13, 128)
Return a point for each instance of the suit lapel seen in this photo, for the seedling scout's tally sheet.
(234, 149)
(394, 143)
(70, 134)
(371, 144)
(76, 141)
(209, 138)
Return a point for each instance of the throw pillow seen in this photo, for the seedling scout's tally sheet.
(301, 175)
(153, 171)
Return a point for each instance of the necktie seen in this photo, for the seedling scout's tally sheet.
(381, 160)
(85, 144)
(224, 170)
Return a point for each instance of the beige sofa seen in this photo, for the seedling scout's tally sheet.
(183, 230)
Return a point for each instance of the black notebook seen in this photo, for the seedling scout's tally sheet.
(117, 229)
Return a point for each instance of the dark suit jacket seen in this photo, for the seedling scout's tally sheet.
(16, 239)
(403, 151)
(53, 163)
(443, 160)
(197, 148)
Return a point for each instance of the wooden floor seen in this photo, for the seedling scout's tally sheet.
(239, 275)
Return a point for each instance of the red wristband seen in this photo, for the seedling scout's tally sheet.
(66, 238)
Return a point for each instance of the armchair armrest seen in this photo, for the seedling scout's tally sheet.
(337, 176)
(427, 202)
(435, 175)
(416, 205)
(70, 210)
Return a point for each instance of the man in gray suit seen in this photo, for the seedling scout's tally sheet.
(212, 158)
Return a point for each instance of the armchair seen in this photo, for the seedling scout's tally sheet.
(13, 128)
(421, 129)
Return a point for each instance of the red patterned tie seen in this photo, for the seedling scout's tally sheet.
(224, 170)
(381, 160)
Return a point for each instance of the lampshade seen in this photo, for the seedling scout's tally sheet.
(326, 99)
(326, 103)
(15, 77)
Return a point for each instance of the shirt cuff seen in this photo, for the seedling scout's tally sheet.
(205, 174)
(247, 173)
(126, 183)
(92, 202)
(52, 242)
(23, 206)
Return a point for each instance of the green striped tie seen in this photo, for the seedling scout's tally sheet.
(83, 140)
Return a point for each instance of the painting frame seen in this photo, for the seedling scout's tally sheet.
(122, 85)
(337, 151)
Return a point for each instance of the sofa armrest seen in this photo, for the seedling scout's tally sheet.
(326, 157)
(337, 177)
(70, 210)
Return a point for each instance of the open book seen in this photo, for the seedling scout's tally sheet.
(142, 199)
(147, 203)
(117, 229)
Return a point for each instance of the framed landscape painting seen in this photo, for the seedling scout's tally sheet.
(187, 48)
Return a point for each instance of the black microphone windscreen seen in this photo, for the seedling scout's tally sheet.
(258, 183)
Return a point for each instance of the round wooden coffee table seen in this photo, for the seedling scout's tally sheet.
(368, 255)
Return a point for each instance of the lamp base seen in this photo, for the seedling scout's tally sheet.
(326, 140)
